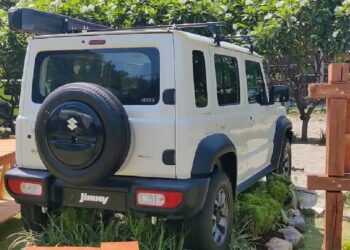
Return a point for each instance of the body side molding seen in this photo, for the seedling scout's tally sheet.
(283, 127)
(208, 150)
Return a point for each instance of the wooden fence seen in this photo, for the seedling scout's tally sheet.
(6, 161)
(337, 176)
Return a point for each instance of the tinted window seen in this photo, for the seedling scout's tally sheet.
(227, 80)
(255, 82)
(199, 79)
(131, 74)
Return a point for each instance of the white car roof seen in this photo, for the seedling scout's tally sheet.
(188, 35)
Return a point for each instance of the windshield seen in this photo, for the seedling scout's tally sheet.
(130, 74)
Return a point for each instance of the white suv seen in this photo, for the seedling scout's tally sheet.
(158, 121)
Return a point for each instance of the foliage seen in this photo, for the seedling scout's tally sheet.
(85, 227)
(278, 188)
(323, 137)
(5, 133)
(296, 37)
(347, 198)
(12, 51)
(241, 239)
(261, 205)
(346, 246)
(261, 210)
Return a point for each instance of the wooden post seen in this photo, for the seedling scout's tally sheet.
(6, 162)
(2, 181)
(337, 92)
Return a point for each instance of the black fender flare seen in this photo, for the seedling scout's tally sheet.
(208, 150)
(283, 128)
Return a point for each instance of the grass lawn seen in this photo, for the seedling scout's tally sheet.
(314, 233)
(13, 225)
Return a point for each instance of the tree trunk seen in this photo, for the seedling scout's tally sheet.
(304, 130)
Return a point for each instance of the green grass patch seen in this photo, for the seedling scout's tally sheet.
(86, 227)
(12, 226)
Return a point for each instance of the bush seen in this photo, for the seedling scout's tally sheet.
(278, 188)
(5, 133)
(260, 210)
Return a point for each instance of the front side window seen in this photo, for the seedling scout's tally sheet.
(227, 80)
(130, 74)
(255, 83)
(199, 79)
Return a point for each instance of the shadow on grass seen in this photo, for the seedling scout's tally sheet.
(13, 225)
(313, 233)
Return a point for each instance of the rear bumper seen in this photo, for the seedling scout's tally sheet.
(120, 190)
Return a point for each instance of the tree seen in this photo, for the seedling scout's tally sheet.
(296, 36)
(12, 51)
(293, 35)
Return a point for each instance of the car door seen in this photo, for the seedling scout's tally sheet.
(231, 114)
(260, 143)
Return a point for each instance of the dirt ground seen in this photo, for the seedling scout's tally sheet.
(310, 156)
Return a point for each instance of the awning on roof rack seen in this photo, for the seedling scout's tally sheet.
(43, 23)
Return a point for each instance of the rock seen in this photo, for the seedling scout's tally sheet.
(298, 222)
(307, 198)
(292, 235)
(278, 244)
(318, 211)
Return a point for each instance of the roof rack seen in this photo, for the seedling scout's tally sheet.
(43, 23)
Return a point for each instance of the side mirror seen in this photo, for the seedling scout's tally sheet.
(279, 93)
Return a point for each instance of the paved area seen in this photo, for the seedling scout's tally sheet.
(8, 208)
(7, 146)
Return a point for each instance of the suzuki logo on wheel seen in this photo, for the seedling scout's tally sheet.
(72, 124)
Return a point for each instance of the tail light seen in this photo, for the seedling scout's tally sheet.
(26, 187)
(156, 198)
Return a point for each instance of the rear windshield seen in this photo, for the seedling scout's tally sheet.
(130, 74)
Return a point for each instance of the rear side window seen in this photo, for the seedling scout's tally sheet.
(227, 80)
(199, 79)
(130, 74)
(255, 83)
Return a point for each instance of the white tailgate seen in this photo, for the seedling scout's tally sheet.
(153, 126)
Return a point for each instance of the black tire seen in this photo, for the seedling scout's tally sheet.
(105, 144)
(201, 226)
(33, 217)
(285, 163)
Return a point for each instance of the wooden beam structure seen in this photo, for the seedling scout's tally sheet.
(337, 176)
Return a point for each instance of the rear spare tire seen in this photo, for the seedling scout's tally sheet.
(82, 133)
